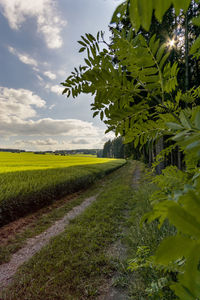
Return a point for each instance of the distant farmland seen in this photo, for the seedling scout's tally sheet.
(11, 162)
(29, 181)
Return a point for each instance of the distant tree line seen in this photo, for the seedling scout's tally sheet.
(11, 150)
(77, 151)
(117, 149)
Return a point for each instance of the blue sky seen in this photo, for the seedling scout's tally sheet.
(38, 50)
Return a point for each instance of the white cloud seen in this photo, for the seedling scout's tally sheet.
(19, 121)
(18, 104)
(57, 89)
(28, 60)
(52, 106)
(49, 22)
(80, 142)
(23, 57)
(47, 127)
(50, 75)
(62, 73)
(54, 144)
(40, 78)
(47, 142)
(17, 110)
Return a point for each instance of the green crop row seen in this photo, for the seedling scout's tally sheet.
(26, 191)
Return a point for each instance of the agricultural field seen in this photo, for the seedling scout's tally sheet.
(29, 181)
(11, 162)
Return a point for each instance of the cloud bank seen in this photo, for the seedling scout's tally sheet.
(19, 120)
(49, 21)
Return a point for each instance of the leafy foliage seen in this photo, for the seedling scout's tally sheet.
(141, 11)
(126, 98)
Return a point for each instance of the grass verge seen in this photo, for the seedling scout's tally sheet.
(144, 282)
(75, 263)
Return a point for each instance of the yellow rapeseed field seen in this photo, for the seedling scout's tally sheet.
(12, 162)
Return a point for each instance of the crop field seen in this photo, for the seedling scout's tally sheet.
(29, 181)
(11, 162)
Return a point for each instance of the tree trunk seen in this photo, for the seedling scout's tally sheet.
(172, 160)
(179, 159)
(186, 53)
(159, 147)
(150, 155)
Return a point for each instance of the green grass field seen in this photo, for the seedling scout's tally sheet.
(29, 181)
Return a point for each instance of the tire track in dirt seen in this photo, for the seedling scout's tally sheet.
(33, 245)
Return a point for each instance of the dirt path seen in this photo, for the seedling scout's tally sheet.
(111, 292)
(33, 245)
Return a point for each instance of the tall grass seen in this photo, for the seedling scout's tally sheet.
(146, 282)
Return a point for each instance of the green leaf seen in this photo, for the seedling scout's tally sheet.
(64, 91)
(173, 248)
(180, 136)
(161, 7)
(90, 37)
(136, 141)
(182, 292)
(134, 14)
(163, 60)
(173, 125)
(195, 46)
(197, 119)
(87, 62)
(95, 113)
(193, 145)
(196, 21)
(185, 121)
(180, 4)
(85, 40)
(82, 49)
(160, 53)
(192, 263)
(191, 202)
(110, 129)
(98, 34)
(119, 11)
(183, 220)
(145, 10)
(81, 43)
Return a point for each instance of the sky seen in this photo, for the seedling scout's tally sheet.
(38, 50)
